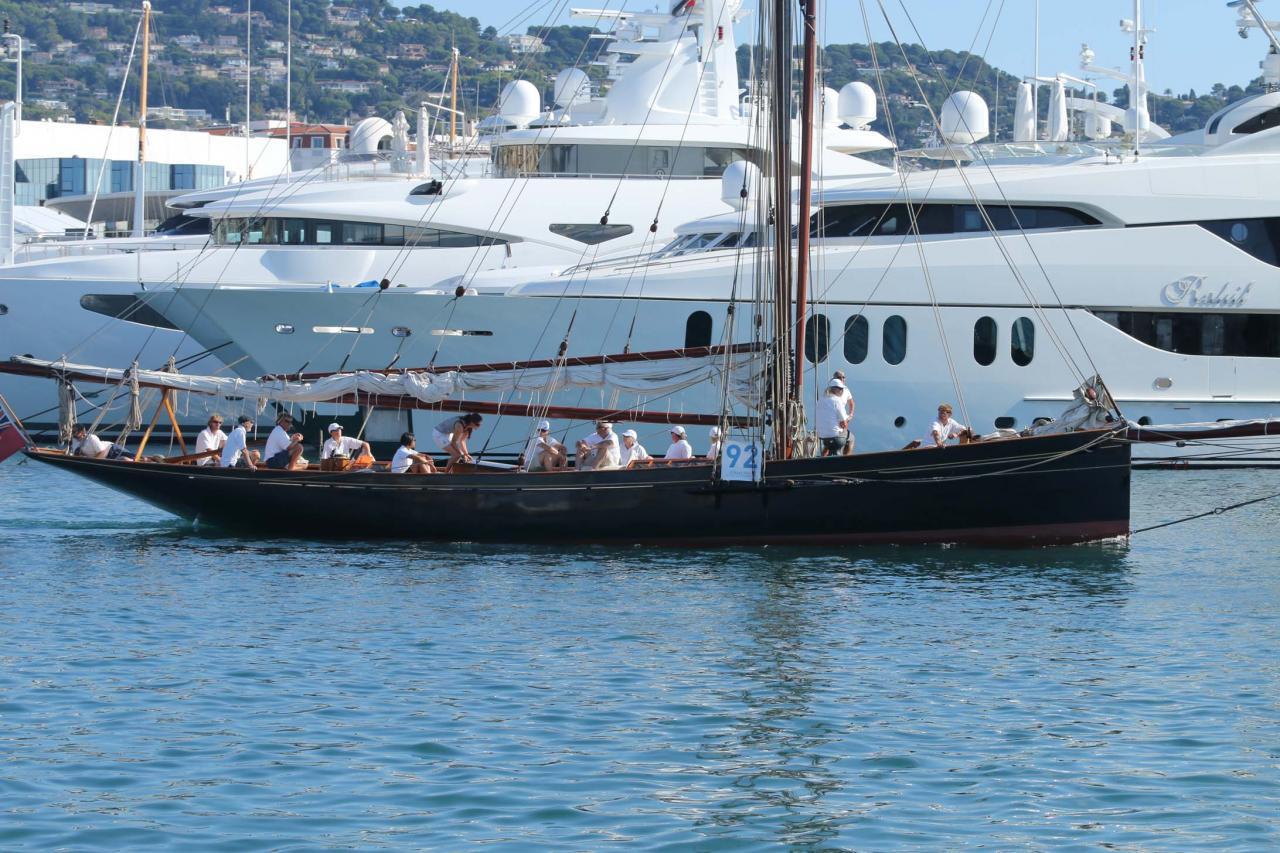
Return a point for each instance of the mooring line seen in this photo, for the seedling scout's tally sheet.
(1215, 511)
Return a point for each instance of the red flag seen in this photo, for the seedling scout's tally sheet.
(11, 440)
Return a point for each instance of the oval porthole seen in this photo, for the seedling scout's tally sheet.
(402, 331)
(1022, 341)
(899, 421)
(1144, 421)
(1239, 232)
(1164, 383)
(4, 309)
(1005, 422)
(284, 329)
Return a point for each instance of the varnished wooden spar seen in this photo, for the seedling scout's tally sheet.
(537, 364)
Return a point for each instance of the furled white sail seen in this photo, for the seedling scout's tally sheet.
(643, 378)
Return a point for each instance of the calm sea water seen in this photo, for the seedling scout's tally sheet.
(165, 689)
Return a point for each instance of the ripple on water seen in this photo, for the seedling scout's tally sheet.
(165, 689)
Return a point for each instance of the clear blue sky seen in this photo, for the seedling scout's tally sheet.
(1195, 44)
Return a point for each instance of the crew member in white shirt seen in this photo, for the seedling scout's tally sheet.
(832, 419)
(632, 449)
(846, 397)
(599, 450)
(85, 443)
(341, 446)
(544, 452)
(211, 438)
(714, 451)
(236, 452)
(680, 447)
(408, 460)
(284, 449)
(944, 428)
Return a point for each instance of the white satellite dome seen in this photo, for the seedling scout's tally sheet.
(857, 105)
(370, 135)
(965, 118)
(826, 110)
(572, 87)
(739, 175)
(520, 102)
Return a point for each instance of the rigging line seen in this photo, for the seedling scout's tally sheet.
(635, 144)
(504, 211)
(1033, 302)
(1022, 283)
(1219, 510)
(115, 118)
(398, 262)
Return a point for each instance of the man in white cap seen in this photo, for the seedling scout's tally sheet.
(544, 452)
(846, 398)
(599, 450)
(632, 449)
(343, 447)
(832, 420)
(714, 451)
(680, 447)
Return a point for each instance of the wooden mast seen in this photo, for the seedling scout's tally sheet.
(140, 176)
(780, 386)
(809, 9)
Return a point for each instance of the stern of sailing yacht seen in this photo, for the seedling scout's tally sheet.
(1053, 489)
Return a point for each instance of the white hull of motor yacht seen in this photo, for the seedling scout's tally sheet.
(895, 402)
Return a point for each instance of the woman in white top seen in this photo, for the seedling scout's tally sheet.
(211, 438)
(680, 447)
(343, 447)
(632, 449)
(408, 460)
(452, 433)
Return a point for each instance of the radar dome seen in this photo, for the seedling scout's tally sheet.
(572, 87)
(738, 176)
(520, 102)
(827, 109)
(857, 105)
(370, 135)
(964, 118)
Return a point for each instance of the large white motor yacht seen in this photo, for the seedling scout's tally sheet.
(1159, 269)
(589, 177)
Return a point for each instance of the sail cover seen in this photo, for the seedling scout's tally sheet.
(643, 378)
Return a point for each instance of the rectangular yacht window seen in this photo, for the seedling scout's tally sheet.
(293, 232)
(363, 233)
(327, 233)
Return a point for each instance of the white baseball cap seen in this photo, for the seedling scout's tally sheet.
(715, 432)
(677, 429)
(629, 433)
(544, 425)
(835, 383)
(332, 427)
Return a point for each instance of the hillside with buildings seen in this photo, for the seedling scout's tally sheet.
(356, 58)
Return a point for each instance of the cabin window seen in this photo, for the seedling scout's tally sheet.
(1189, 333)
(1005, 422)
(590, 233)
(315, 232)
(122, 306)
(1259, 237)
(984, 340)
(4, 309)
(856, 337)
(817, 338)
(697, 330)
(1262, 121)
(886, 220)
(688, 161)
(894, 342)
(1022, 341)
